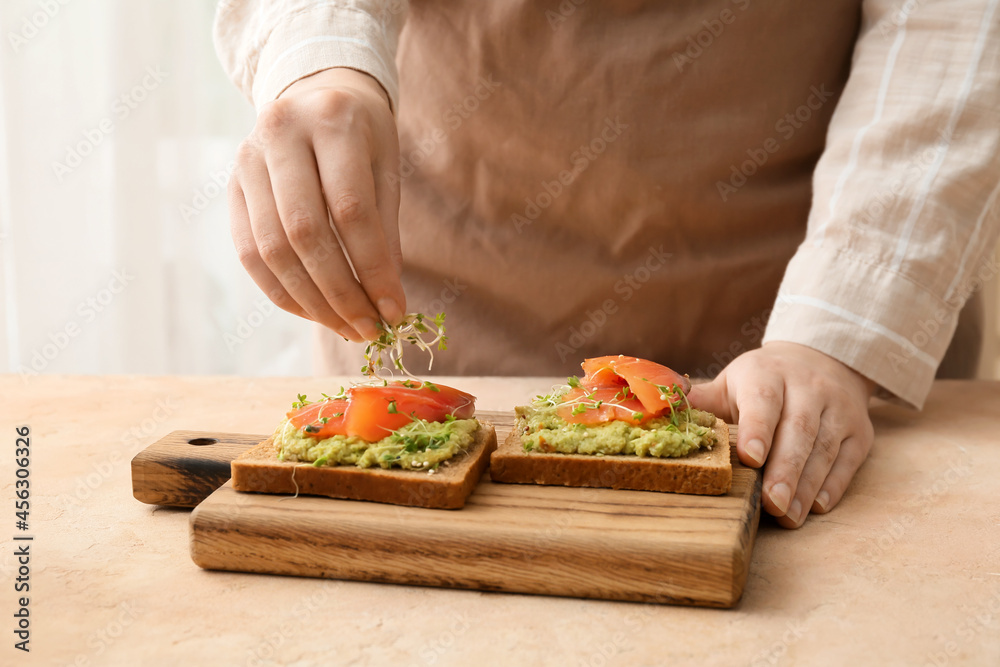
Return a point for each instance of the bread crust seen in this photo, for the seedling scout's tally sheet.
(705, 472)
(259, 471)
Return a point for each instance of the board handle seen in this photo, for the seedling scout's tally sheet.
(182, 468)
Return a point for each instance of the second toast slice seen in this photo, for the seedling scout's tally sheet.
(705, 472)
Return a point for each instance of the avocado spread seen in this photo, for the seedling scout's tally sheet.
(420, 445)
(673, 435)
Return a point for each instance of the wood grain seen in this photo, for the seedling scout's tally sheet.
(185, 467)
(579, 542)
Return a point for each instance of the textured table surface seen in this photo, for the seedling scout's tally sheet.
(905, 571)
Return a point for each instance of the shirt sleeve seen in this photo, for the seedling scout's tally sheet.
(904, 218)
(267, 45)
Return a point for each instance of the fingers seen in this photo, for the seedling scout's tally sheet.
(346, 174)
(853, 452)
(277, 253)
(805, 413)
(756, 405)
(712, 397)
(246, 249)
(302, 210)
(825, 451)
(283, 200)
(793, 442)
(387, 189)
(759, 405)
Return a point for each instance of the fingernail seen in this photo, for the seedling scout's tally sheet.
(781, 495)
(823, 500)
(755, 450)
(349, 335)
(366, 327)
(390, 310)
(795, 511)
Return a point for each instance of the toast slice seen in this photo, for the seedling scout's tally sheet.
(259, 471)
(705, 472)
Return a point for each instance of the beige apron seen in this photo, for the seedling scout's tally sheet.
(595, 178)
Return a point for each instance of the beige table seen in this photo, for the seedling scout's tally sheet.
(906, 571)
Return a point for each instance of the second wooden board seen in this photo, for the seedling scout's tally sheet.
(590, 543)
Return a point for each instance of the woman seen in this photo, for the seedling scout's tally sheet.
(577, 179)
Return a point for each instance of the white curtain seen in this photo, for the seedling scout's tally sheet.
(117, 131)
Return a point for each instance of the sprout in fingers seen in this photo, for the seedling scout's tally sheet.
(387, 349)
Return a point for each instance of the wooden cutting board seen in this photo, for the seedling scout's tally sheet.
(588, 543)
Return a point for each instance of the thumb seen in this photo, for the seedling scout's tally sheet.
(712, 397)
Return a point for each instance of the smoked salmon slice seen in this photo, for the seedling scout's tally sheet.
(372, 412)
(654, 389)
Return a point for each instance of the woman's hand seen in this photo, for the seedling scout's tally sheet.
(326, 148)
(802, 411)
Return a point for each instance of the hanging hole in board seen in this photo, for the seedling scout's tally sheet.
(200, 442)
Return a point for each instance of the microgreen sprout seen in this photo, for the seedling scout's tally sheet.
(418, 437)
(388, 347)
(340, 395)
(674, 396)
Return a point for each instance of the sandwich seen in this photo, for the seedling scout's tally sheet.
(403, 442)
(626, 424)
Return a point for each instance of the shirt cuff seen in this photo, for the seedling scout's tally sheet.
(881, 324)
(322, 37)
